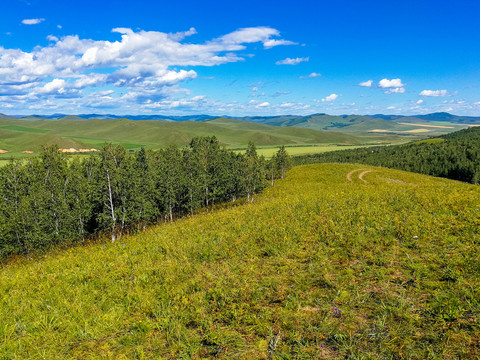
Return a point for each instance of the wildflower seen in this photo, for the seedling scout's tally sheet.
(415, 237)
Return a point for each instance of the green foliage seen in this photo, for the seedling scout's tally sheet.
(454, 156)
(51, 200)
(317, 267)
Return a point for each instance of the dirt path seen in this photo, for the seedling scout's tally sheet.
(363, 174)
(349, 175)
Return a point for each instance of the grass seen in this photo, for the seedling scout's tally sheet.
(24, 129)
(268, 152)
(316, 267)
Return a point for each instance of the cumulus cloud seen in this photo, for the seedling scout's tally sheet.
(32, 21)
(148, 65)
(419, 102)
(366, 83)
(331, 97)
(394, 83)
(395, 91)
(289, 61)
(434, 93)
(311, 76)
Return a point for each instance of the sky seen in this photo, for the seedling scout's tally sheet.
(240, 58)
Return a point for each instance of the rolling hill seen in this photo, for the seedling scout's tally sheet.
(336, 261)
(20, 135)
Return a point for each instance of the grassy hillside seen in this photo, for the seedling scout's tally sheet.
(19, 135)
(336, 261)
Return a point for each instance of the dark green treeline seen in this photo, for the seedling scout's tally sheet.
(56, 199)
(454, 156)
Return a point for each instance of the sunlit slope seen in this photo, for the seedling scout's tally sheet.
(336, 261)
(155, 134)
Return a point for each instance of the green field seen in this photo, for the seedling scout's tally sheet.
(24, 129)
(338, 261)
(268, 152)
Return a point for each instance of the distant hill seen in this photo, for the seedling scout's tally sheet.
(70, 131)
(368, 128)
(440, 116)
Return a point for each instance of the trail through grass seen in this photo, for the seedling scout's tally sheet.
(317, 267)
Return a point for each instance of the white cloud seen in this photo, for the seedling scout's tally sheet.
(254, 88)
(331, 97)
(366, 83)
(311, 76)
(434, 93)
(268, 44)
(56, 85)
(395, 91)
(289, 61)
(293, 106)
(142, 66)
(264, 104)
(92, 79)
(394, 83)
(106, 92)
(419, 102)
(32, 21)
(251, 35)
(391, 107)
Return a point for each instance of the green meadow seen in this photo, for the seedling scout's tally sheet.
(337, 261)
(268, 152)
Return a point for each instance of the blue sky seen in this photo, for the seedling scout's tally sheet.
(239, 58)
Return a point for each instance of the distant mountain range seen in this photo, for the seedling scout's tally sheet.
(281, 120)
(358, 125)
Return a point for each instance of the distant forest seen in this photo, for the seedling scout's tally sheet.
(454, 156)
(55, 199)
